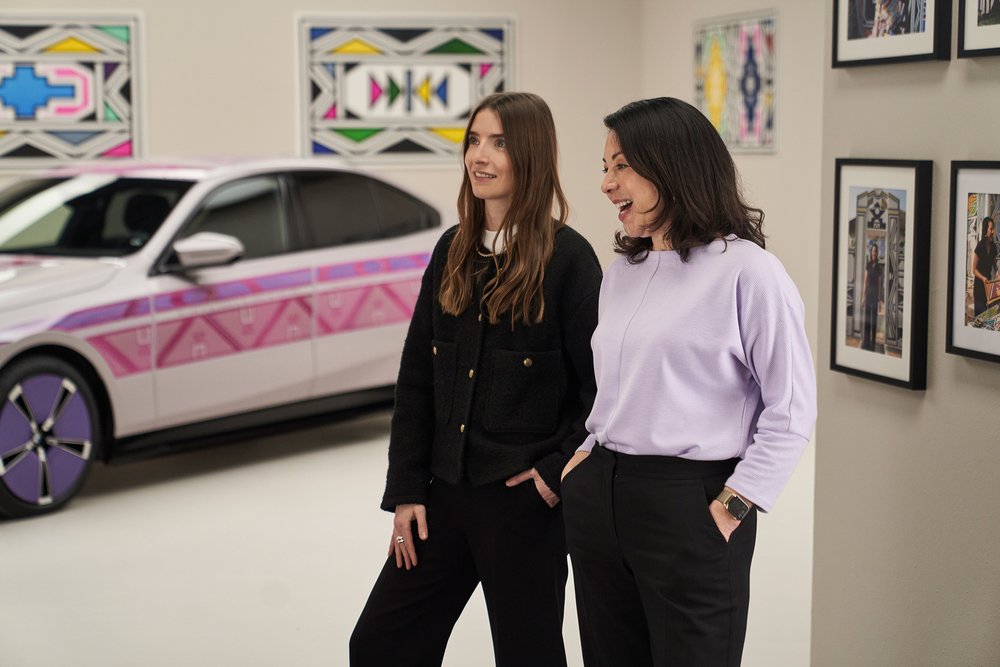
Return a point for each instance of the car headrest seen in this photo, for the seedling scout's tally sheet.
(145, 213)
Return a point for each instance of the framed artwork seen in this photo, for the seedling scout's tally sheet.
(68, 88)
(734, 78)
(395, 89)
(876, 32)
(978, 28)
(974, 261)
(881, 268)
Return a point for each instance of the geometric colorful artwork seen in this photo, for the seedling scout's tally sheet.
(67, 88)
(734, 74)
(397, 89)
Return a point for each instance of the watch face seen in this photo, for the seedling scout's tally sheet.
(737, 507)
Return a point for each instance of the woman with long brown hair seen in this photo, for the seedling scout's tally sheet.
(494, 386)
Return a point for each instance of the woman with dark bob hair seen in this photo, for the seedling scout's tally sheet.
(705, 401)
(494, 387)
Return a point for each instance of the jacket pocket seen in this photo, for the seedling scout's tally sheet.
(526, 392)
(444, 356)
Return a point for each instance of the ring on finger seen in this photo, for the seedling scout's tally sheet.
(399, 539)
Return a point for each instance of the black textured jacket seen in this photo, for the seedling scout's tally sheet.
(483, 402)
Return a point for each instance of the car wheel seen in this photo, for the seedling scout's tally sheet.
(49, 432)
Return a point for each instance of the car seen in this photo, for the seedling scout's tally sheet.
(144, 306)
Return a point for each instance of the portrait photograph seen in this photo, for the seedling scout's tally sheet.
(978, 28)
(869, 32)
(881, 270)
(974, 261)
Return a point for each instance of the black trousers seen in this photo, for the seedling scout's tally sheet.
(506, 538)
(656, 582)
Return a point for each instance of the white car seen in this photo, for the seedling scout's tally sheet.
(143, 305)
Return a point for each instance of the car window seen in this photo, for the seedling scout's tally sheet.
(338, 207)
(250, 209)
(400, 213)
(94, 214)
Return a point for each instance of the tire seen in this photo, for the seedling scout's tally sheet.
(50, 431)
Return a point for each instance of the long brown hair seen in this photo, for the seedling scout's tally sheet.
(672, 145)
(530, 136)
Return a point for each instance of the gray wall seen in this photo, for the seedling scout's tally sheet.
(906, 568)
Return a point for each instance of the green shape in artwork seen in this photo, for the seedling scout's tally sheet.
(455, 46)
(359, 135)
(393, 90)
(117, 31)
(109, 114)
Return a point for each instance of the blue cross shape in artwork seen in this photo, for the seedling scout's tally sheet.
(25, 91)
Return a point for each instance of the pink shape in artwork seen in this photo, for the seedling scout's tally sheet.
(190, 340)
(376, 91)
(247, 325)
(484, 68)
(336, 309)
(84, 87)
(331, 113)
(126, 351)
(293, 323)
(379, 309)
(405, 293)
(121, 150)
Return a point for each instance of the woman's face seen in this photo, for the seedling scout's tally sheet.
(636, 199)
(873, 253)
(487, 161)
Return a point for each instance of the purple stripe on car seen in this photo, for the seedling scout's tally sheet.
(112, 312)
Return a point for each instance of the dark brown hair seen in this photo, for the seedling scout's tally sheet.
(672, 145)
(530, 138)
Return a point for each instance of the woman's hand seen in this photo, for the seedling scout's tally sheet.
(405, 549)
(577, 459)
(547, 494)
(725, 521)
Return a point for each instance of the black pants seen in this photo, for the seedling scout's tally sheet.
(506, 538)
(656, 582)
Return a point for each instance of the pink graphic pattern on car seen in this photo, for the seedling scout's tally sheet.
(251, 327)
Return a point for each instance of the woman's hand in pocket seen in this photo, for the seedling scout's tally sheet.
(573, 462)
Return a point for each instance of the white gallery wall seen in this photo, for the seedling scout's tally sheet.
(906, 568)
(219, 78)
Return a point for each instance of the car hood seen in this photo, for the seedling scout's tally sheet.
(29, 280)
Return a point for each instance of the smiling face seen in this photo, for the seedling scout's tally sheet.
(638, 202)
(488, 165)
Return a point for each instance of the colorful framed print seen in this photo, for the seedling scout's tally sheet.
(734, 78)
(978, 28)
(393, 89)
(68, 88)
(877, 32)
(974, 261)
(881, 269)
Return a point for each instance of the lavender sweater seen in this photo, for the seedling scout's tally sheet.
(705, 360)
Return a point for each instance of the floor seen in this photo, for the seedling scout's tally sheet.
(255, 553)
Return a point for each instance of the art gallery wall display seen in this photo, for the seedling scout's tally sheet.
(397, 89)
(876, 32)
(68, 88)
(978, 28)
(881, 268)
(734, 74)
(974, 261)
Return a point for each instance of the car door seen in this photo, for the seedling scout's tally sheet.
(231, 339)
(375, 242)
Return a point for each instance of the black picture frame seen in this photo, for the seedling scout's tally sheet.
(856, 22)
(973, 328)
(883, 205)
(978, 35)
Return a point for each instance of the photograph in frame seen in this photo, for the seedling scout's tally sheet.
(874, 32)
(974, 261)
(978, 28)
(881, 262)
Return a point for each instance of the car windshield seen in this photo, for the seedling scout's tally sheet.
(91, 215)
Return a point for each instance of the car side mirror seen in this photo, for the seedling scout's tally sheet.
(207, 249)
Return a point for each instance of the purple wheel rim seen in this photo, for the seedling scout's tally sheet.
(46, 436)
